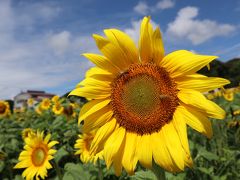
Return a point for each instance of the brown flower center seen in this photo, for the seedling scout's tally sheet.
(38, 156)
(3, 108)
(144, 98)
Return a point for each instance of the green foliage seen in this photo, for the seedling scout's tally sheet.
(217, 158)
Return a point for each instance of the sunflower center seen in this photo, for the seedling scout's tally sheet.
(144, 98)
(2, 108)
(38, 156)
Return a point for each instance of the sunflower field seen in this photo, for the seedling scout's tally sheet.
(217, 158)
(134, 116)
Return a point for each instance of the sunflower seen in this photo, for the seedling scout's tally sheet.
(236, 112)
(210, 96)
(83, 144)
(30, 102)
(28, 132)
(57, 108)
(69, 110)
(4, 109)
(36, 156)
(45, 104)
(39, 109)
(55, 99)
(141, 101)
(228, 95)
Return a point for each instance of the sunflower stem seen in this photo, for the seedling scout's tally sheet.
(158, 172)
(59, 174)
(100, 173)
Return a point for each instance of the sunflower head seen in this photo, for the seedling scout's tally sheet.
(30, 102)
(228, 95)
(36, 156)
(39, 109)
(236, 112)
(210, 96)
(69, 110)
(45, 104)
(4, 108)
(28, 132)
(55, 99)
(58, 108)
(141, 100)
(83, 145)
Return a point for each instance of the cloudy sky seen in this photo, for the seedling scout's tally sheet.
(41, 41)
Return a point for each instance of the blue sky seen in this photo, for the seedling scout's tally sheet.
(41, 41)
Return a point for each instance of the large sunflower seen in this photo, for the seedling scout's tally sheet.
(142, 100)
(36, 155)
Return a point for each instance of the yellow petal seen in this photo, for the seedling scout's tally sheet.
(97, 119)
(100, 74)
(182, 62)
(23, 164)
(200, 82)
(158, 48)
(94, 82)
(161, 154)
(91, 92)
(173, 144)
(129, 159)
(197, 120)
(117, 165)
(101, 135)
(196, 99)
(47, 138)
(92, 107)
(113, 143)
(124, 43)
(28, 173)
(144, 150)
(181, 128)
(52, 143)
(145, 41)
(52, 151)
(102, 62)
(111, 52)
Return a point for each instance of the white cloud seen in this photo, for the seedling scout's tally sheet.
(144, 9)
(186, 26)
(141, 8)
(165, 4)
(134, 31)
(60, 42)
(40, 61)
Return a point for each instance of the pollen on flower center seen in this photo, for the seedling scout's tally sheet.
(38, 156)
(144, 98)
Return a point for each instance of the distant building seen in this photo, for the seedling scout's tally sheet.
(21, 99)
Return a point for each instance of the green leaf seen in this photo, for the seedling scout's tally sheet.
(59, 154)
(18, 177)
(2, 165)
(75, 172)
(146, 175)
(208, 155)
(206, 170)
